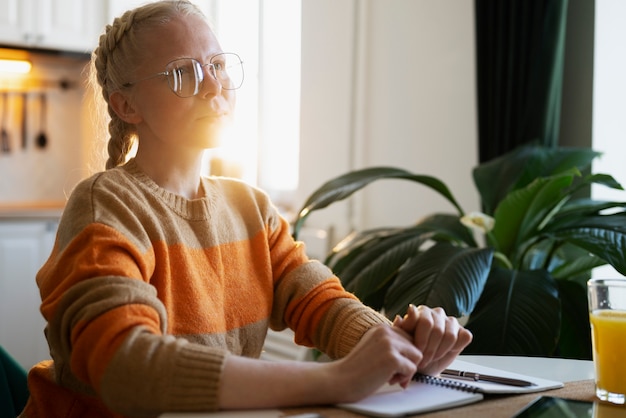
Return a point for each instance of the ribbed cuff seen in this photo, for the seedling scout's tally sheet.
(196, 386)
(350, 325)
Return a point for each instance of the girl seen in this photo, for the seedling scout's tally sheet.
(162, 283)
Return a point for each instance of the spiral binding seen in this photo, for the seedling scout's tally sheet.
(448, 383)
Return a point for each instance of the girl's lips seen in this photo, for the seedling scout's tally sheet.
(214, 115)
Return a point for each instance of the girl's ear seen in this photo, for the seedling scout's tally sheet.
(124, 108)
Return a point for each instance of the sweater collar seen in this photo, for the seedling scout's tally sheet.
(193, 209)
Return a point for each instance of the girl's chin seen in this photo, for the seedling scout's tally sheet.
(210, 143)
(209, 138)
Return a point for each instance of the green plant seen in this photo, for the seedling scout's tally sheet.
(522, 289)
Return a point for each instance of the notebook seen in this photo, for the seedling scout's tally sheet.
(429, 393)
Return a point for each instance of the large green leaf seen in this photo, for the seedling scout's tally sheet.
(559, 257)
(448, 227)
(518, 168)
(345, 185)
(519, 313)
(444, 275)
(347, 254)
(368, 263)
(494, 179)
(547, 162)
(356, 242)
(577, 208)
(601, 179)
(520, 214)
(602, 235)
(573, 267)
(376, 265)
(371, 264)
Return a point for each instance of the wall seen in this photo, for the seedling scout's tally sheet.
(36, 174)
(609, 123)
(388, 83)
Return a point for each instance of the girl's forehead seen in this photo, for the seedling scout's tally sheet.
(185, 36)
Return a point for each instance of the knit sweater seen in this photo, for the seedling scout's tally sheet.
(146, 293)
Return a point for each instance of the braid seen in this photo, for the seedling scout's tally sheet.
(121, 134)
(115, 58)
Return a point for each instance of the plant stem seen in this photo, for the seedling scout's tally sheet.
(503, 259)
(553, 250)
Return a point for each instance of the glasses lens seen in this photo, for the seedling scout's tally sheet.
(227, 68)
(185, 76)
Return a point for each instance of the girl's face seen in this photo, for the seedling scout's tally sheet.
(166, 120)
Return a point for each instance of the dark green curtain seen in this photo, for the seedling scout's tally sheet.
(519, 56)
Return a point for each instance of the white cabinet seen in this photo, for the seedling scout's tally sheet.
(24, 247)
(68, 25)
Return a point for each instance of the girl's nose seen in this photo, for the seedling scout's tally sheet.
(210, 84)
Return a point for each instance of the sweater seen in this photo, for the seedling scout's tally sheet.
(146, 293)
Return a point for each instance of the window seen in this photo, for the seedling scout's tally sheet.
(263, 146)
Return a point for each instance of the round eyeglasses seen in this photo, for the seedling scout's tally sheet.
(186, 75)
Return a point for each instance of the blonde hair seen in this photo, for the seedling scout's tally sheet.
(116, 57)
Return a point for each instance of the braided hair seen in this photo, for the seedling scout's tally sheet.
(116, 56)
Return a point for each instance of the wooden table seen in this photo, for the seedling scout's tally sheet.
(493, 406)
(576, 374)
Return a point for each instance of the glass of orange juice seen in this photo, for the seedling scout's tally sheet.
(607, 314)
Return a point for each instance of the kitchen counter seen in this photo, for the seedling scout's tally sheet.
(31, 210)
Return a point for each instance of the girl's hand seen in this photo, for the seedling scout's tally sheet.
(439, 338)
(383, 355)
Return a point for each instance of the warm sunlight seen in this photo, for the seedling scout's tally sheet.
(263, 144)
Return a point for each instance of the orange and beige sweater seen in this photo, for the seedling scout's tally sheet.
(146, 293)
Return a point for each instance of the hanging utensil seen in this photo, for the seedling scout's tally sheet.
(4, 134)
(42, 138)
(24, 120)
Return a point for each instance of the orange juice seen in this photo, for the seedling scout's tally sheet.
(608, 331)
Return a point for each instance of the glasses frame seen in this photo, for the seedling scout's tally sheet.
(211, 66)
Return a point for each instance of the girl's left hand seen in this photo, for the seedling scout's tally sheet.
(439, 337)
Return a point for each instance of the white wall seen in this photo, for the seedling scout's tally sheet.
(609, 111)
(33, 174)
(413, 105)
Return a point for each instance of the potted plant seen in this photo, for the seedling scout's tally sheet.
(520, 281)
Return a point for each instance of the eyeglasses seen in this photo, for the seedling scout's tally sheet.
(186, 75)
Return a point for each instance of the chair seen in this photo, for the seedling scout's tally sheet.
(13, 386)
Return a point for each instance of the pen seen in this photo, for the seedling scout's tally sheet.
(485, 377)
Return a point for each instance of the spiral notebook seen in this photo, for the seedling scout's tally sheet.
(430, 393)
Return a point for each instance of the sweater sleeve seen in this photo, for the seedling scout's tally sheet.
(311, 300)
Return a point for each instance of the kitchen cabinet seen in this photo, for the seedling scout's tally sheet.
(68, 25)
(24, 247)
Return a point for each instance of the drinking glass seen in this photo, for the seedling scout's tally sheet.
(607, 314)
